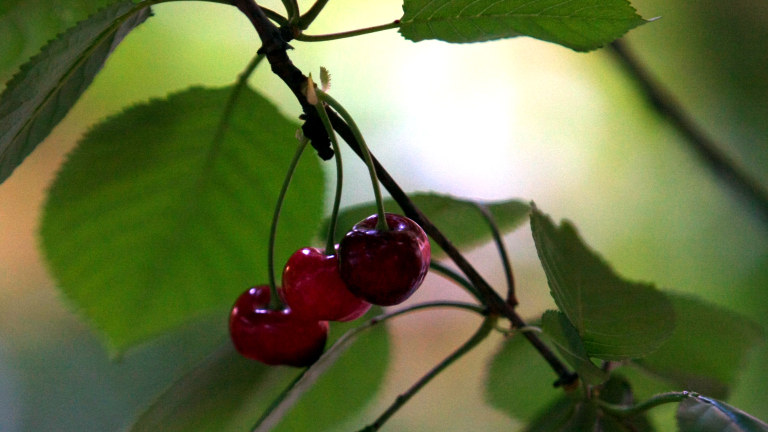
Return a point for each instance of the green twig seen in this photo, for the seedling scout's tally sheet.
(382, 222)
(488, 324)
(488, 216)
(633, 410)
(456, 277)
(347, 34)
(311, 14)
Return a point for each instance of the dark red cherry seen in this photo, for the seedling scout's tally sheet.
(384, 267)
(314, 290)
(274, 337)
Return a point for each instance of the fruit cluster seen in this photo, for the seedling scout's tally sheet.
(372, 266)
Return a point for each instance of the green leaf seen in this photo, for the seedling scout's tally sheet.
(339, 384)
(229, 393)
(458, 219)
(519, 381)
(701, 414)
(149, 223)
(565, 337)
(554, 417)
(707, 350)
(582, 25)
(616, 319)
(617, 391)
(25, 26)
(47, 86)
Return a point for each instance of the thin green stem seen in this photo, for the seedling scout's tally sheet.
(330, 246)
(233, 97)
(274, 301)
(456, 277)
(633, 410)
(347, 34)
(485, 329)
(382, 222)
(291, 9)
(499, 240)
(311, 14)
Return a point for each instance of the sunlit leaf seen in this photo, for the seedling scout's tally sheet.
(616, 319)
(707, 350)
(149, 223)
(519, 381)
(47, 86)
(702, 414)
(458, 219)
(565, 337)
(582, 25)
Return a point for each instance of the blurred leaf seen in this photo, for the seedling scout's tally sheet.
(458, 219)
(565, 337)
(229, 393)
(617, 391)
(554, 417)
(25, 26)
(584, 418)
(582, 25)
(616, 319)
(707, 349)
(150, 224)
(47, 86)
(337, 385)
(701, 414)
(519, 381)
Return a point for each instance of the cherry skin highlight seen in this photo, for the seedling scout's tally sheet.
(274, 337)
(384, 267)
(313, 288)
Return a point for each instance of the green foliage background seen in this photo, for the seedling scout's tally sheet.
(602, 159)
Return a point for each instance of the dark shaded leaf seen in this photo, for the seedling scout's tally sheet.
(565, 337)
(702, 414)
(554, 417)
(582, 25)
(707, 349)
(617, 391)
(616, 319)
(47, 87)
(149, 223)
(458, 219)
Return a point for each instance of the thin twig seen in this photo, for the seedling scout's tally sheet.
(347, 34)
(709, 151)
(499, 240)
(633, 410)
(311, 14)
(488, 324)
(454, 276)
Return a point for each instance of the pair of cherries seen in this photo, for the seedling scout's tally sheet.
(371, 267)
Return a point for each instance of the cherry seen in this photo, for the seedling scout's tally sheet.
(314, 290)
(384, 267)
(274, 337)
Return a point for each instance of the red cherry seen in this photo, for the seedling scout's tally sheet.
(274, 337)
(314, 290)
(384, 267)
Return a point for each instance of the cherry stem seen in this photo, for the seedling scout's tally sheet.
(274, 300)
(242, 81)
(311, 14)
(330, 246)
(633, 410)
(272, 415)
(292, 9)
(347, 34)
(485, 329)
(499, 240)
(456, 277)
(382, 222)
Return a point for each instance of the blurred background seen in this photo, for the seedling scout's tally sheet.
(516, 118)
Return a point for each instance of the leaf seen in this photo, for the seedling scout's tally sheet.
(554, 417)
(339, 373)
(150, 224)
(229, 393)
(707, 349)
(582, 25)
(616, 319)
(519, 381)
(701, 414)
(47, 86)
(458, 219)
(556, 325)
(25, 26)
(617, 391)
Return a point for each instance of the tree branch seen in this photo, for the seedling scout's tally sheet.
(667, 106)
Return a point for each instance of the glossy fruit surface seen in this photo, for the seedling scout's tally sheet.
(274, 337)
(314, 290)
(384, 267)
